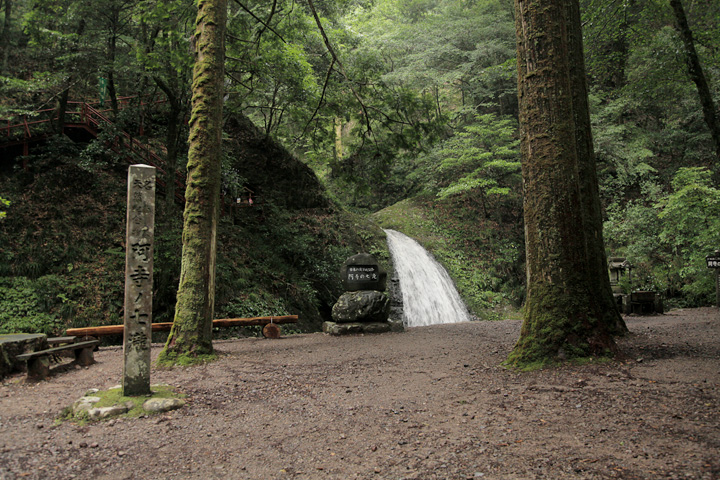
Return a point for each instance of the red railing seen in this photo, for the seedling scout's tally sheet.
(93, 120)
(19, 129)
(87, 116)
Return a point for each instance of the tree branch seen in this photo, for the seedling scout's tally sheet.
(260, 21)
(320, 102)
(339, 63)
(267, 22)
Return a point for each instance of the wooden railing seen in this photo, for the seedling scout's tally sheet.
(86, 115)
(89, 116)
(20, 128)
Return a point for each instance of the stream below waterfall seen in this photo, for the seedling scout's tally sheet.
(428, 293)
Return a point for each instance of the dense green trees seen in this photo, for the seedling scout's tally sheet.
(649, 124)
(424, 104)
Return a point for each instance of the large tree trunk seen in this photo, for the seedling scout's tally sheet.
(112, 50)
(696, 74)
(172, 138)
(599, 279)
(5, 39)
(562, 314)
(191, 335)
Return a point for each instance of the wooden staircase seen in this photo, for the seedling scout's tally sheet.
(85, 115)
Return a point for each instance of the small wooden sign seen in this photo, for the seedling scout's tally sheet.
(713, 261)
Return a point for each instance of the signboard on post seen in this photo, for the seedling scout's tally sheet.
(363, 272)
(713, 261)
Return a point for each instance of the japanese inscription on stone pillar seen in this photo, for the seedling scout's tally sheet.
(138, 280)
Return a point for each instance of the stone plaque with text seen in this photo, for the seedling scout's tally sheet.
(138, 280)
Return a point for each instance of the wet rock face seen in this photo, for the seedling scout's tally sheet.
(361, 306)
(396, 300)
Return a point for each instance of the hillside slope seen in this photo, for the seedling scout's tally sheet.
(62, 242)
(484, 256)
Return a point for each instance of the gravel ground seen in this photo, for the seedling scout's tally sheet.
(429, 403)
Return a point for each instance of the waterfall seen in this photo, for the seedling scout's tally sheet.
(428, 293)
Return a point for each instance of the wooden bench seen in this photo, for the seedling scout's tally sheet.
(57, 341)
(38, 363)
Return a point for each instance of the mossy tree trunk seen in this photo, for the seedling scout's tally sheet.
(5, 37)
(191, 335)
(599, 280)
(565, 314)
(695, 70)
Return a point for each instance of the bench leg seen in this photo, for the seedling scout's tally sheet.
(84, 356)
(38, 368)
(271, 330)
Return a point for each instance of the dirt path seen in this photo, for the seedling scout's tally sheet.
(430, 403)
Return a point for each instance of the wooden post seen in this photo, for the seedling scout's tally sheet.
(713, 261)
(717, 281)
(138, 280)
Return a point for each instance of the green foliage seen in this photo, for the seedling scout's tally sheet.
(623, 151)
(423, 69)
(3, 204)
(652, 146)
(277, 67)
(33, 306)
(690, 218)
(484, 158)
(451, 45)
(666, 241)
(165, 51)
(166, 276)
(68, 233)
(437, 83)
(253, 304)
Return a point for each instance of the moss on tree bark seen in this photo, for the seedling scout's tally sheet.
(567, 313)
(191, 335)
(598, 278)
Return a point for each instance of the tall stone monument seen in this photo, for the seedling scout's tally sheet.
(364, 307)
(138, 280)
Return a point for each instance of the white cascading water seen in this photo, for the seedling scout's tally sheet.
(428, 293)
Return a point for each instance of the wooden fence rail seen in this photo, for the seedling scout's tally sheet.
(165, 327)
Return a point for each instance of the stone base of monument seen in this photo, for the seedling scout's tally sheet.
(98, 405)
(335, 328)
(362, 311)
(361, 306)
